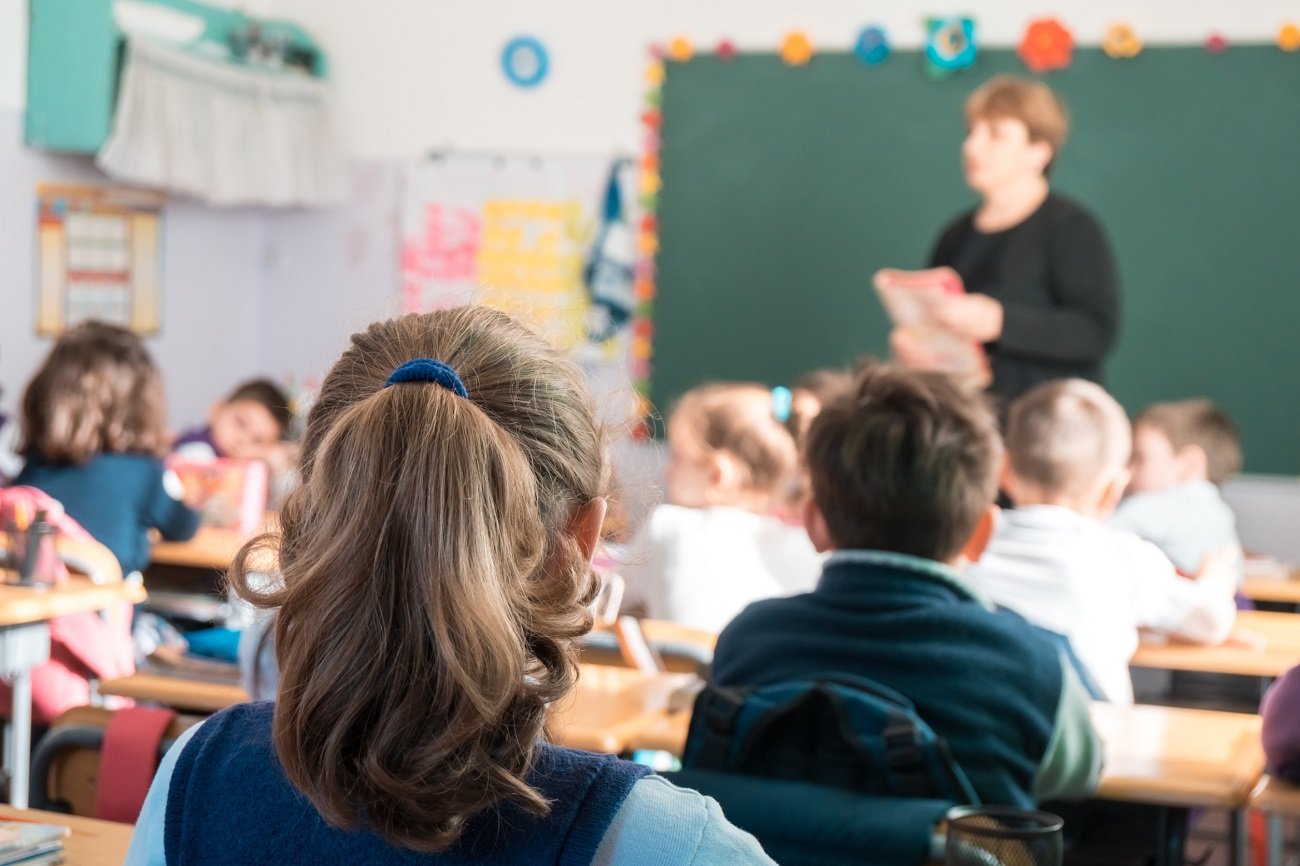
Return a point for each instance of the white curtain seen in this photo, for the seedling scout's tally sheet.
(223, 133)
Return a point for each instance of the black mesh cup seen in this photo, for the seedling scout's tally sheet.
(1002, 836)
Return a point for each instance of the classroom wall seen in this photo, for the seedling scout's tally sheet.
(211, 281)
(422, 74)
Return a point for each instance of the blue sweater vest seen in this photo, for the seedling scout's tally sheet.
(988, 683)
(230, 802)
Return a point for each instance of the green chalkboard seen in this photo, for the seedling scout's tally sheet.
(784, 189)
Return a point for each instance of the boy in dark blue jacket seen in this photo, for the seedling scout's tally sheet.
(904, 473)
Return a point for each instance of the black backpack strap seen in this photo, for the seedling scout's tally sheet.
(906, 758)
(713, 725)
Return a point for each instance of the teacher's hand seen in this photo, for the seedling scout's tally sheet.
(978, 317)
(909, 349)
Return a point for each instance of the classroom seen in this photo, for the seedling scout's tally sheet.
(579, 432)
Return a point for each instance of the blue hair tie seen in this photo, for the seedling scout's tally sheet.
(428, 370)
(782, 403)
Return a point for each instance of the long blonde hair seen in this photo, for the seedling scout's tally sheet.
(432, 593)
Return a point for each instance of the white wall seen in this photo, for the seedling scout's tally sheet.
(419, 74)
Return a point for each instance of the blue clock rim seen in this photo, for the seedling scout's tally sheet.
(511, 51)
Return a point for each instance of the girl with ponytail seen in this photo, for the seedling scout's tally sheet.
(435, 579)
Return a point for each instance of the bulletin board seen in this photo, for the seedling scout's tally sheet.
(545, 239)
(99, 256)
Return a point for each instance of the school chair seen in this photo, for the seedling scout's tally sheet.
(86, 744)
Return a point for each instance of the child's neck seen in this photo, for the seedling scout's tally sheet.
(1079, 505)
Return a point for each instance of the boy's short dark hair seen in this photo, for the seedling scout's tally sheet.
(1198, 422)
(269, 395)
(906, 462)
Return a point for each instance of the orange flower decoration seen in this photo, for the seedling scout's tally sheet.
(1121, 42)
(680, 49)
(1047, 45)
(1288, 38)
(796, 49)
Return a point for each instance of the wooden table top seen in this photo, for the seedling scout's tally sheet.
(1273, 589)
(1274, 795)
(611, 705)
(27, 604)
(1156, 755)
(177, 692)
(1280, 633)
(92, 843)
(209, 548)
(606, 709)
(1173, 756)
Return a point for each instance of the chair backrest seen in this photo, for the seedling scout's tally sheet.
(834, 730)
(66, 762)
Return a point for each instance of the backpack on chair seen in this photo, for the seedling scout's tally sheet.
(824, 769)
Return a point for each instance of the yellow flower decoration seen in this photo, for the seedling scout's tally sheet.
(680, 49)
(654, 74)
(647, 243)
(1121, 42)
(650, 182)
(1288, 38)
(796, 49)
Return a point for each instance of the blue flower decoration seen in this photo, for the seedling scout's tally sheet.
(872, 47)
(950, 44)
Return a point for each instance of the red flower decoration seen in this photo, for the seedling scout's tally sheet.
(655, 50)
(726, 50)
(1046, 45)
(1216, 44)
(649, 223)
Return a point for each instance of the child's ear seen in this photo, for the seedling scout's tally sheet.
(586, 523)
(979, 539)
(1195, 463)
(814, 523)
(1113, 492)
(723, 472)
(1007, 478)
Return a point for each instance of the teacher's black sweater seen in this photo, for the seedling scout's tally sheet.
(1059, 289)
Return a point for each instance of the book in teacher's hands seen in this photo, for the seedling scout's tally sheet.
(911, 297)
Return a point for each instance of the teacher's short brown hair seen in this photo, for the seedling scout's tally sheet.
(1031, 102)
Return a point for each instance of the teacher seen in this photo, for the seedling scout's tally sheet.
(1042, 292)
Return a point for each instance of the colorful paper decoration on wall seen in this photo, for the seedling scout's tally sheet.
(1046, 45)
(949, 45)
(649, 182)
(1288, 38)
(872, 46)
(726, 50)
(549, 239)
(680, 49)
(1216, 44)
(1121, 42)
(524, 61)
(796, 48)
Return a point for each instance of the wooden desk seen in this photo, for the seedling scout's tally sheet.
(1271, 589)
(1165, 756)
(611, 705)
(25, 612)
(209, 548)
(1281, 650)
(92, 843)
(176, 692)
(1171, 756)
(1280, 800)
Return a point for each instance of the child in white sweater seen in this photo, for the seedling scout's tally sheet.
(715, 546)
(1054, 560)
